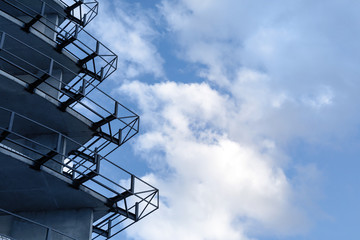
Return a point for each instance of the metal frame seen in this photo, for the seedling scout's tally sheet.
(81, 164)
(113, 127)
(127, 204)
(49, 231)
(78, 11)
(81, 12)
(96, 61)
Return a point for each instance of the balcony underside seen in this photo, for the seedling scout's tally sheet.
(54, 7)
(24, 189)
(46, 46)
(43, 110)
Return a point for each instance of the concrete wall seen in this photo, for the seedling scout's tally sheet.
(74, 223)
(5, 224)
(51, 21)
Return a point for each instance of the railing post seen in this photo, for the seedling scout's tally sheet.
(73, 175)
(132, 186)
(83, 87)
(97, 161)
(116, 110)
(11, 122)
(97, 47)
(120, 136)
(51, 66)
(62, 154)
(76, 31)
(48, 234)
(101, 73)
(136, 211)
(84, 18)
(109, 228)
(2, 40)
(42, 13)
(58, 144)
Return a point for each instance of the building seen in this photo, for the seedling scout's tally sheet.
(57, 128)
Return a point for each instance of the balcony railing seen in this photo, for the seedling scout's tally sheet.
(113, 123)
(43, 232)
(95, 60)
(128, 197)
(79, 11)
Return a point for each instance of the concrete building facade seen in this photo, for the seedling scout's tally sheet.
(57, 128)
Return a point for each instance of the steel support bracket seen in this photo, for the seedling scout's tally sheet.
(77, 182)
(71, 8)
(41, 161)
(124, 212)
(102, 122)
(83, 155)
(101, 232)
(92, 74)
(81, 62)
(32, 86)
(3, 135)
(35, 19)
(71, 100)
(108, 137)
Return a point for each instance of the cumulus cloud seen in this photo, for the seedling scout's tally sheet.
(268, 73)
(214, 187)
(129, 32)
(284, 62)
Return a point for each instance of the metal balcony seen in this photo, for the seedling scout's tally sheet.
(95, 60)
(127, 198)
(50, 65)
(78, 11)
(113, 124)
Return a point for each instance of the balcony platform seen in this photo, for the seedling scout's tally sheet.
(41, 108)
(23, 189)
(64, 61)
(53, 7)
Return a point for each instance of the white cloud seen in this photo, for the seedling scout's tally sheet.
(215, 186)
(272, 72)
(289, 65)
(128, 31)
(321, 99)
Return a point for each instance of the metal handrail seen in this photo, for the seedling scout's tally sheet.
(68, 38)
(77, 11)
(123, 123)
(128, 203)
(48, 229)
(85, 11)
(129, 198)
(114, 223)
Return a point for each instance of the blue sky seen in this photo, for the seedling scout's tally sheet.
(249, 115)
